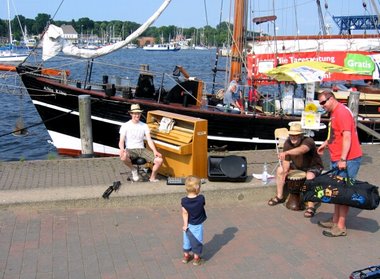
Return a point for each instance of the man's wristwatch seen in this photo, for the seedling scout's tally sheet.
(343, 160)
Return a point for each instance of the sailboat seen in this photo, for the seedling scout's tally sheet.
(56, 99)
(8, 55)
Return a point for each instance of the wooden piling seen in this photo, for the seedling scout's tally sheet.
(85, 125)
(353, 104)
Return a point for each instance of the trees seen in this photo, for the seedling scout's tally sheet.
(40, 22)
(116, 28)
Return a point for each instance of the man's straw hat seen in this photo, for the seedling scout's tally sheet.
(295, 129)
(135, 108)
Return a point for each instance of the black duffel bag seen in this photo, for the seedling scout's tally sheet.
(329, 188)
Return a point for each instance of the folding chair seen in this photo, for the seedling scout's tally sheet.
(280, 136)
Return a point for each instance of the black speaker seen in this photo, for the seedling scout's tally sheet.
(227, 168)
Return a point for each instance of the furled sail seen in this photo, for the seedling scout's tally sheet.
(318, 44)
(53, 41)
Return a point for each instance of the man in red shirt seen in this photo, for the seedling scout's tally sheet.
(345, 155)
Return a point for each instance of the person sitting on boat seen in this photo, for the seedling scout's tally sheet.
(131, 144)
(368, 82)
(288, 89)
(232, 93)
(299, 153)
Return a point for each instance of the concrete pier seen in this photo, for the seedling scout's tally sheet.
(55, 224)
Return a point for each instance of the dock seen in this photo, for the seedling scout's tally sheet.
(81, 182)
(54, 223)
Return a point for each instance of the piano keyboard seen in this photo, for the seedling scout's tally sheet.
(162, 143)
(175, 180)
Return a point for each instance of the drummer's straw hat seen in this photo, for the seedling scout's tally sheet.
(295, 129)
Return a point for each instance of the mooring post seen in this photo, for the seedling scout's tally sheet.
(85, 125)
(353, 104)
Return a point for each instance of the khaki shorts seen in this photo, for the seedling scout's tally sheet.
(145, 153)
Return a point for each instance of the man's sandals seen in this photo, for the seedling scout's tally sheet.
(275, 201)
(309, 212)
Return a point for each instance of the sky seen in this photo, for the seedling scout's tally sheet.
(192, 13)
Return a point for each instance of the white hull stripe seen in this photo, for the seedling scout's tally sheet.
(75, 112)
(62, 141)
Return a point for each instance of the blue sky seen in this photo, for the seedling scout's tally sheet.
(191, 13)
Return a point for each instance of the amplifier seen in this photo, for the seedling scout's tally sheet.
(227, 168)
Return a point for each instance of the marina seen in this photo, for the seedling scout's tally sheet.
(56, 97)
(68, 214)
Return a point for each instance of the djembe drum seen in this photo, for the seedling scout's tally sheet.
(294, 181)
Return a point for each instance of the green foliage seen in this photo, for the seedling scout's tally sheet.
(212, 36)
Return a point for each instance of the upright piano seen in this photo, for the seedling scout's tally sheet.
(183, 147)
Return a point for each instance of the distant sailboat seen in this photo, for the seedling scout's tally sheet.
(8, 55)
(29, 42)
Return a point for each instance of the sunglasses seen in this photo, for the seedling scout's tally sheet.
(324, 102)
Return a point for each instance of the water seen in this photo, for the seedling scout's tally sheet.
(16, 103)
(35, 145)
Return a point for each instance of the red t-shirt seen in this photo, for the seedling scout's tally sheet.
(342, 120)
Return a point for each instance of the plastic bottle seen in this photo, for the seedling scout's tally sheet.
(265, 173)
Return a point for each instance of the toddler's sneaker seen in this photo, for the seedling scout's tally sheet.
(197, 261)
(187, 258)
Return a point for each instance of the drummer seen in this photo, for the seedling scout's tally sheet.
(299, 153)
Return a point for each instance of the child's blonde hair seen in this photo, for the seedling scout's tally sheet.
(192, 184)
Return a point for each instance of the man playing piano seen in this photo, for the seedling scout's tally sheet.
(131, 144)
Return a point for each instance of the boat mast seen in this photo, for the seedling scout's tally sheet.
(376, 9)
(10, 26)
(238, 36)
(321, 19)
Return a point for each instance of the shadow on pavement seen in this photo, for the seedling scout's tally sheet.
(218, 241)
(353, 222)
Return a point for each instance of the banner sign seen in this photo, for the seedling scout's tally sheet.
(361, 61)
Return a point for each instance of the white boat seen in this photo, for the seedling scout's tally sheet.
(225, 51)
(8, 55)
(200, 47)
(130, 46)
(163, 47)
(30, 43)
